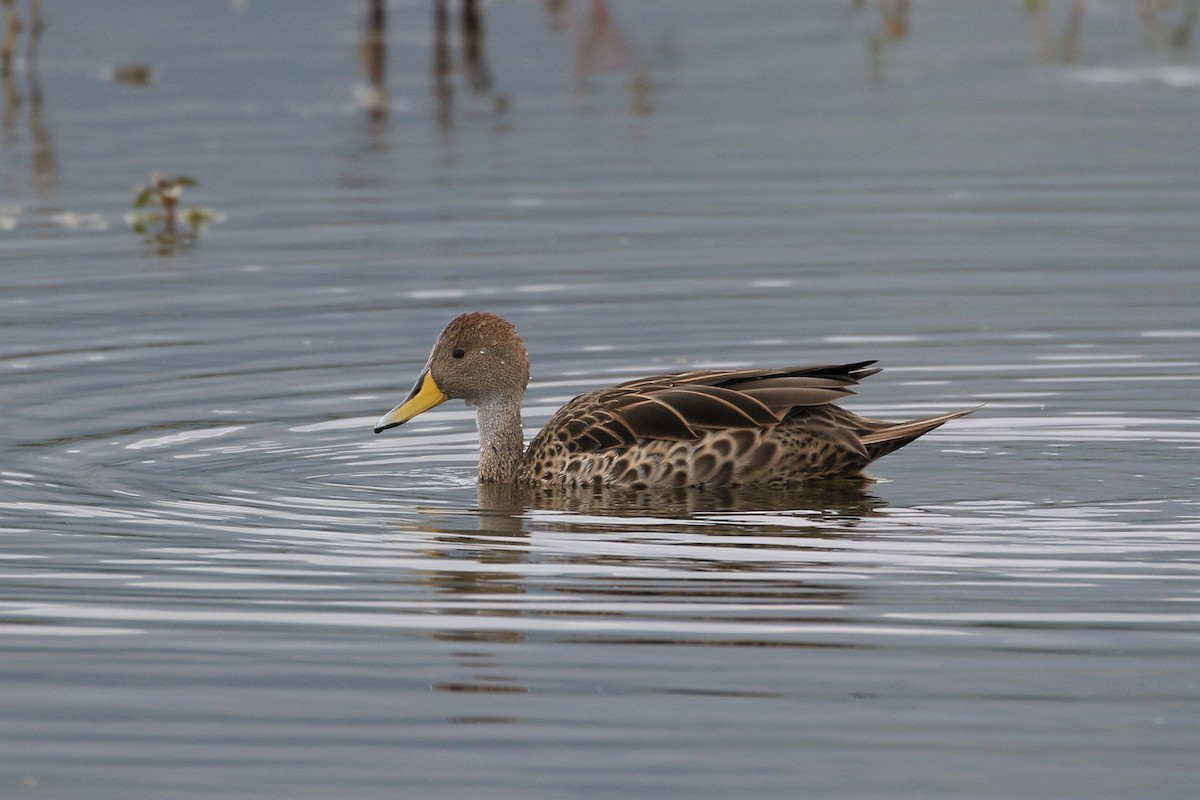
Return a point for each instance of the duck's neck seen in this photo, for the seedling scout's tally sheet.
(501, 442)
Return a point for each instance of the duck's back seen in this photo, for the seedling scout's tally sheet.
(716, 428)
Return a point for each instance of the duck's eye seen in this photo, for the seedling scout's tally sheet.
(459, 353)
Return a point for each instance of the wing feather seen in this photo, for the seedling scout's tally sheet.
(716, 407)
(650, 419)
(781, 401)
(681, 406)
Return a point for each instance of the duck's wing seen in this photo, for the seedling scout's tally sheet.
(687, 405)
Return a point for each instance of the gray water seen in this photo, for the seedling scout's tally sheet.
(216, 582)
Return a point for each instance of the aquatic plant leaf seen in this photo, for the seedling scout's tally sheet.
(198, 216)
(144, 197)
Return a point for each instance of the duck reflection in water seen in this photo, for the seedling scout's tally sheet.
(493, 598)
(845, 502)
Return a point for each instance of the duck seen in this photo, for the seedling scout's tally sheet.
(758, 427)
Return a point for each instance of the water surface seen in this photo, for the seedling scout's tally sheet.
(217, 582)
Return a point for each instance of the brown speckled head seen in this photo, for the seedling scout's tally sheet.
(480, 358)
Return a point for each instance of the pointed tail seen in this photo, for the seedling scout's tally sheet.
(885, 440)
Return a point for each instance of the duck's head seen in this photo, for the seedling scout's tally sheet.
(478, 358)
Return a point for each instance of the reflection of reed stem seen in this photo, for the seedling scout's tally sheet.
(12, 35)
(372, 53)
(45, 163)
(12, 95)
(472, 23)
(473, 46)
(1181, 37)
(377, 41)
(1070, 39)
(894, 15)
(441, 39)
(443, 90)
(37, 23)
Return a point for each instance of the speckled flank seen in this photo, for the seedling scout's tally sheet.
(804, 447)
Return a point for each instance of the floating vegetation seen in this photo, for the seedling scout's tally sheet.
(165, 192)
(132, 74)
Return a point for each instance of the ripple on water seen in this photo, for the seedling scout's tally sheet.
(239, 521)
(255, 555)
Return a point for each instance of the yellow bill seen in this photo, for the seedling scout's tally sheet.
(425, 395)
